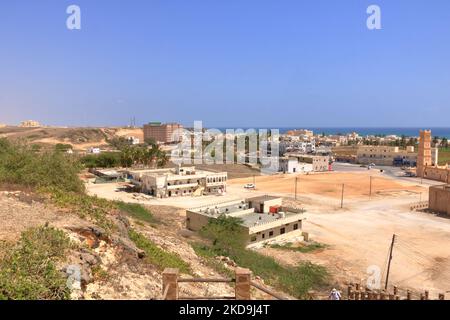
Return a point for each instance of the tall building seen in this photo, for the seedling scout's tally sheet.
(161, 132)
(424, 153)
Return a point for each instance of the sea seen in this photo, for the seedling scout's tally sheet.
(365, 131)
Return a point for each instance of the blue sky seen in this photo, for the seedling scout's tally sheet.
(261, 63)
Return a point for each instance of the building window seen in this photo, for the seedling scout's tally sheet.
(296, 226)
(270, 233)
(263, 235)
(253, 239)
(282, 231)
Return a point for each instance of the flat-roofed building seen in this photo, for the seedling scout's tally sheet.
(386, 155)
(264, 219)
(180, 181)
(164, 133)
(309, 163)
(30, 124)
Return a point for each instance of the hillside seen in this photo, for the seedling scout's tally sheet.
(79, 138)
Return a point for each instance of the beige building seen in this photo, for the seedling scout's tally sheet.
(386, 155)
(180, 181)
(298, 162)
(162, 132)
(30, 124)
(264, 219)
(439, 199)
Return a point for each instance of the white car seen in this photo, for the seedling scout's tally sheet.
(249, 186)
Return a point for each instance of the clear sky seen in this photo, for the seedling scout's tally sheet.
(262, 63)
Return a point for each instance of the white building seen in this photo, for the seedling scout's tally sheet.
(180, 181)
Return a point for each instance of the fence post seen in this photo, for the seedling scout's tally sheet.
(170, 284)
(427, 295)
(395, 290)
(243, 280)
(408, 295)
(441, 296)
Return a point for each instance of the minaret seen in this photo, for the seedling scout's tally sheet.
(424, 152)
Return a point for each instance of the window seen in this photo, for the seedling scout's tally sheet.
(282, 231)
(263, 235)
(270, 233)
(296, 226)
(253, 239)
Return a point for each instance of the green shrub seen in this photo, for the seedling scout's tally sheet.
(157, 256)
(19, 164)
(28, 271)
(102, 160)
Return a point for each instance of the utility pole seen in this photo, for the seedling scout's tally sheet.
(389, 262)
(342, 197)
(296, 178)
(254, 182)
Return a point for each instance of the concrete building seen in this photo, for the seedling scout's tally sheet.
(439, 199)
(264, 219)
(305, 163)
(30, 124)
(162, 132)
(180, 181)
(386, 155)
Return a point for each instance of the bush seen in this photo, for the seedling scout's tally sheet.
(19, 164)
(157, 256)
(28, 271)
(102, 160)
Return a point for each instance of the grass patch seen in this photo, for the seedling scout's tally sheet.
(209, 257)
(85, 206)
(444, 156)
(136, 211)
(157, 256)
(28, 271)
(310, 247)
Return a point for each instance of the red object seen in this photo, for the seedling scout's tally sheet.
(274, 209)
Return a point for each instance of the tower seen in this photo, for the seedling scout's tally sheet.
(424, 152)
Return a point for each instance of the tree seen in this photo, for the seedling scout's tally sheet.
(435, 141)
(444, 142)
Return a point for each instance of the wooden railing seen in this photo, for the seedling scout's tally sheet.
(358, 293)
(242, 281)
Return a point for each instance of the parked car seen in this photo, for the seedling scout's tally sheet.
(249, 186)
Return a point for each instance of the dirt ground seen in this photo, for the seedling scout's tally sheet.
(356, 184)
(357, 236)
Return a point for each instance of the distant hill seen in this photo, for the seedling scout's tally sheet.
(80, 138)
